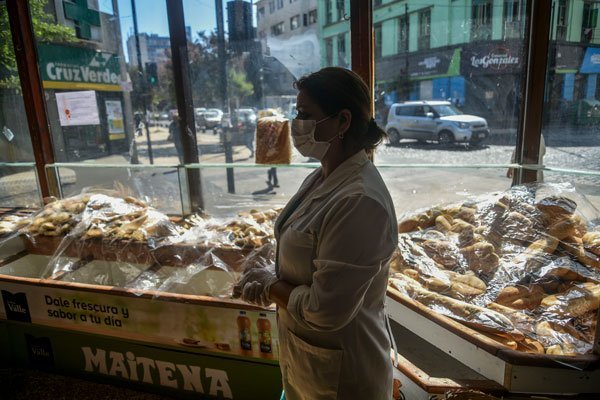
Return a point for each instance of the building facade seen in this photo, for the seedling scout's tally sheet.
(471, 53)
(91, 67)
(288, 31)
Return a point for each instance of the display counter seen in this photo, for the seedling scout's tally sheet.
(505, 285)
(508, 284)
(82, 304)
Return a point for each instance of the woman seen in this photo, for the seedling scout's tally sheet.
(335, 240)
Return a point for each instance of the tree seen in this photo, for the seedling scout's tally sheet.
(239, 87)
(44, 29)
(203, 68)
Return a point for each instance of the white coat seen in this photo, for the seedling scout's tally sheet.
(335, 240)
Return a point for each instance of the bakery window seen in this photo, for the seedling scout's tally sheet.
(18, 174)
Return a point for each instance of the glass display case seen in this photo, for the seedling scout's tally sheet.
(149, 199)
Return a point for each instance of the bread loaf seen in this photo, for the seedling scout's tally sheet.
(273, 145)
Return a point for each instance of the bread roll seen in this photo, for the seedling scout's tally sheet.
(521, 297)
(591, 242)
(481, 257)
(556, 207)
(443, 223)
(442, 252)
(455, 285)
(578, 300)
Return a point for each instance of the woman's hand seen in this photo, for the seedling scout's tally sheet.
(254, 286)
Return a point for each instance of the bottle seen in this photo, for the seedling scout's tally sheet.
(264, 334)
(244, 327)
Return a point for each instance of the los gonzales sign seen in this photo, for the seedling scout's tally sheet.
(491, 58)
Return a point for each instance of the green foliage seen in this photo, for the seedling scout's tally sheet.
(239, 87)
(45, 30)
(203, 69)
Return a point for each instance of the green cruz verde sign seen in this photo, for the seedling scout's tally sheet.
(68, 67)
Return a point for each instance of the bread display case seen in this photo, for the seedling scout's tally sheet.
(101, 269)
(506, 284)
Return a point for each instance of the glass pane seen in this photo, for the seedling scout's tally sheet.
(19, 186)
(571, 102)
(463, 63)
(248, 74)
(157, 186)
(102, 107)
(18, 178)
(585, 183)
(415, 188)
(251, 188)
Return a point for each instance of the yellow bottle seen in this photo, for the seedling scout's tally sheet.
(264, 334)
(244, 329)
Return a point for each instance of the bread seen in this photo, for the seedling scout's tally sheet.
(563, 228)
(443, 223)
(591, 242)
(578, 300)
(556, 207)
(529, 345)
(469, 314)
(521, 297)
(458, 225)
(481, 257)
(452, 284)
(442, 252)
(273, 145)
(419, 221)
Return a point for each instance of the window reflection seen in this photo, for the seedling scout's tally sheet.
(572, 97)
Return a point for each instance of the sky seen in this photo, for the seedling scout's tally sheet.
(152, 16)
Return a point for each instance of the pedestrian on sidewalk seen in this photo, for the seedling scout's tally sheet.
(176, 135)
(272, 177)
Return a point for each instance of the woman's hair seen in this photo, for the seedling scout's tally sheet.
(335, 89)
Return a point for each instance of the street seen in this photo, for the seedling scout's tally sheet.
(411, 188)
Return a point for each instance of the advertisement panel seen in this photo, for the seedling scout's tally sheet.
(114, 116)
(236, 332)
(185, 374)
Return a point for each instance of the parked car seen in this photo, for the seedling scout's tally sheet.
(209, 120)
(440, 121)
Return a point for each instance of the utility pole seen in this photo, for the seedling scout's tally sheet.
(223, 92)
(406, 33)
(143, 82)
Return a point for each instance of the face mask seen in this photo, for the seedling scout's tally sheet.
(303, 136)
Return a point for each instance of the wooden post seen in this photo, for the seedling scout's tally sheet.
(183, 95)
(33, 94)
(533, 83)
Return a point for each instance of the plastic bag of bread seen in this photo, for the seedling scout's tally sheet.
(530, 254)
(273, 142)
